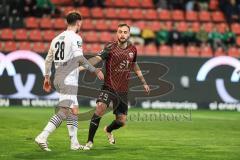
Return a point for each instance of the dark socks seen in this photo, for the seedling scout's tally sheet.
(93, 127)
(114, 125)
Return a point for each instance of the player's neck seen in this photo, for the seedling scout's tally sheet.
(72, 28)
(123, 45)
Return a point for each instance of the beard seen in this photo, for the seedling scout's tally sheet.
(122, 40)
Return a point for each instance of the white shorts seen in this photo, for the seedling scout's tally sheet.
(71, 100)
(68, 90)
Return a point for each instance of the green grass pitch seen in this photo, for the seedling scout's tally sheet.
(208, 135)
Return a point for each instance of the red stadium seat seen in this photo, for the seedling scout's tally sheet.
(109, 3)
(97, 12)
(140, 24)
(238, 41)
(101, 25)
(213, 4)
(208, 26)
(59, 23)
(39, 47)
(91, 36)
(111, 13)
(85, 12)
(137, 14)
(86, 48)
(61, 2)
(182, 26)
(151, 14)
(219, 52)
(234, 52)
(119, 3)
(46, 23)
(10, 46)
(133, 3)
(140, 49)
(204, 16)
(218, 16)
(124, 13)
(113, 25)
(177, 15)
(129, 22)
(154, 25)
(1, 46)
(7, 34)
(235, 27)
(206, 51)
(68, 9)
(191, 16)
(195, 26)
(178, 51)
(21, 34)
(164, 15)
(151, 50)
(165, 50)
(105, 37)
(147, 4)
(24, 45)
(88, 24)
(35, 35)
(221, 27)
(94, 48)
(168, 25)
(48, 35)
(31, 22)
(192, 51)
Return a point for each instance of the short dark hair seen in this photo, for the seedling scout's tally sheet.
(72, 17)
(124, 24)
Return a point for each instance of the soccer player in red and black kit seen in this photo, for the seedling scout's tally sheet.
(120, 58)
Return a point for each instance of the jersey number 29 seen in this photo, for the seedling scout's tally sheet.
(60, 50)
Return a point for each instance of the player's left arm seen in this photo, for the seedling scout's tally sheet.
(138, 72)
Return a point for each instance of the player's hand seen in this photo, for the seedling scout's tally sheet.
(146, 88)
(47, 87)
(81, 68)
(99, 74)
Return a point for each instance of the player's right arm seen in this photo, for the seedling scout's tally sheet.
(78, 52)
(103, 55)
(93, 61)
(48, 65)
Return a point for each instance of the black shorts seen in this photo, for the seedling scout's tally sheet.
(119, 100)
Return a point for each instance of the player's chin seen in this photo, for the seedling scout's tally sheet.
(123, 40)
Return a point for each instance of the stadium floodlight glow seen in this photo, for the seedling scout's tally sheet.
(219, 61)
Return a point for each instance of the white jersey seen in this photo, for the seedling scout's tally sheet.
(63, 48)
(66, 46)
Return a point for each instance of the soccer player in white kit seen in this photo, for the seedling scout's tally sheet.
(66, 53)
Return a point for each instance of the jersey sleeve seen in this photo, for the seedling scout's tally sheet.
(135, 55)
(77, 46)
(48, 61)
(104, 53)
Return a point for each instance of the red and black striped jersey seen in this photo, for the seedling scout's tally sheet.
(119, 62)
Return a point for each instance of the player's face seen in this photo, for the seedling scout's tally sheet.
(79, 24)
(123, 34)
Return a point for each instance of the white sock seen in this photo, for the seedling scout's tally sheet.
(72, 126)
(72, 133)
(54, 122)
(50, 127)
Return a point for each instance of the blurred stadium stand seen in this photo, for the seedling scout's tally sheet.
(22, 28)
